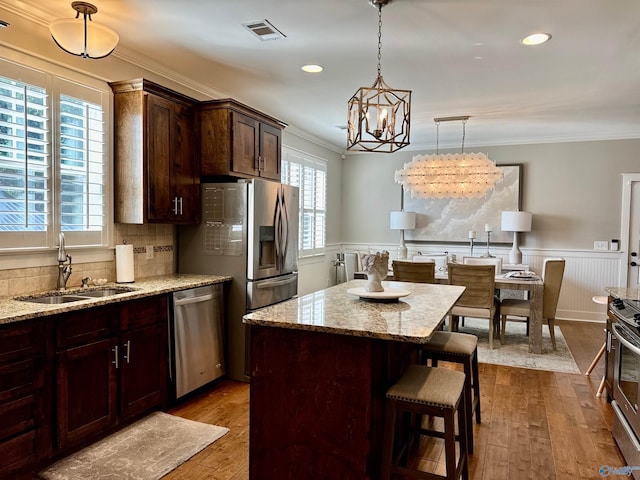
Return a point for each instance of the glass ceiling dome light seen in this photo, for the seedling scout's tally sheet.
(81, 36)
(459, 175)
(379, 116)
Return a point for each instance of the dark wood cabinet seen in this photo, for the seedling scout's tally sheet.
(143, 375)
(238, 141)
(111, 367)
(24, 437)
(156, 171)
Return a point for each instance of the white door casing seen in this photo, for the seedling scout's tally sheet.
(630, 231)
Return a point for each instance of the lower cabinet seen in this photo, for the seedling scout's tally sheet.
(23, 430)
(111, 367)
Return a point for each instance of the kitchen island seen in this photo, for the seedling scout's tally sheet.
(320, 368)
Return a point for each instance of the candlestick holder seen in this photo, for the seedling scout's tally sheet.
(488, 255)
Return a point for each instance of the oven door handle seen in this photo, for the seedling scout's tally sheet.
(634, 349)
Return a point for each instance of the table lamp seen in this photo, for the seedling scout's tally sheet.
(402, 221)
(516, 222)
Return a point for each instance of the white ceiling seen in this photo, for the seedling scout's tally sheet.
(459, 57)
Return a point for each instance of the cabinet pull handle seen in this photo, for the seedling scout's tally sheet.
(260, 162)
(127, 356)
(180, 202)
(175, 205)
(115, 361)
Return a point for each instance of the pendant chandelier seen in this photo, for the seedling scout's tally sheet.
(458, 175)
(378, 118)
(82, 36)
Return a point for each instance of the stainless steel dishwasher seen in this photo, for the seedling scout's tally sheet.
(198, 352)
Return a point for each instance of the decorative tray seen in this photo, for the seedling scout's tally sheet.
(387, 295)
(522, 275)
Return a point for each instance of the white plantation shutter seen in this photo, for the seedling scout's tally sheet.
(310, 175)
(52, 160)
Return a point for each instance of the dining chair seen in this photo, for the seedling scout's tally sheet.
(478, 300)
(405, 271)
(497, 262)
(552, 274)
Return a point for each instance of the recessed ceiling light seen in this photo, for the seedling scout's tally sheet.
(536, 39)
(312, 68)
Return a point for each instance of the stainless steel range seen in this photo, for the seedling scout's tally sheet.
(624, 348)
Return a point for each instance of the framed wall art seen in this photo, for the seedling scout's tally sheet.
(451, 219)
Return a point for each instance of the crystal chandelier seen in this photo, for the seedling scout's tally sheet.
(378, 118)
(458, 175)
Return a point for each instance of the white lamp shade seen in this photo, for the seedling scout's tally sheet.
(516, 221)
(402, 220)
(68, 33)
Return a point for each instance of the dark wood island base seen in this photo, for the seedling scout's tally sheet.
(317, 403)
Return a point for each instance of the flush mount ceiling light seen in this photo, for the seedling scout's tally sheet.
(379, 116)
(81, 36)
(459, 175)
(536, 39)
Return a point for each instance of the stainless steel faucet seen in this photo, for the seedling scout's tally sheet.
(64, 271)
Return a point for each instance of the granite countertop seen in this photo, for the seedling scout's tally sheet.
(411, 319)
(12, 310)
(624, 293)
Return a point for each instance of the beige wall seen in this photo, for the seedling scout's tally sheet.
(573, 189)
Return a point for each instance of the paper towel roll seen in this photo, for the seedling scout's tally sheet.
(124, 264)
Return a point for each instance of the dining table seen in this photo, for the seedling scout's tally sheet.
(532, 284)
(320, 366)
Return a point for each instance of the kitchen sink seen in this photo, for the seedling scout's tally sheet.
(56, 298)
(104, 292)
(53, 299)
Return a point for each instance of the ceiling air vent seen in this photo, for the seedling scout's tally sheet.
(264, 30)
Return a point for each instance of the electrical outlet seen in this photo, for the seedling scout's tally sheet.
(149, 249)
(601, 245)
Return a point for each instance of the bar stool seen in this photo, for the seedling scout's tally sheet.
(430, 391)
(601, 300)
(459, 348)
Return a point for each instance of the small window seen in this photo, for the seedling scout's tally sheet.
(310, 175)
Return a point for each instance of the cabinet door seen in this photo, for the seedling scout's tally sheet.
(246, 134)
(143, 374)
(160, 148)
(86, 391)
(185, 169)
(270, 152)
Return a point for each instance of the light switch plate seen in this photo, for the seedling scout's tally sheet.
(601, 245)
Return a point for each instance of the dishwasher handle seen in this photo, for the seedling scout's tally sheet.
(188, 300)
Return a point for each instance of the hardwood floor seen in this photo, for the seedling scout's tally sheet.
(535, 424)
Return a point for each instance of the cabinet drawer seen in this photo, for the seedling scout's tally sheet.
(17, 416)
(143, 312)
(20, 341)
(20, 378)
(17, 452)
(86, 326)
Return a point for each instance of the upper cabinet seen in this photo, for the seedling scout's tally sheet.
(238, 141)
(156, 174)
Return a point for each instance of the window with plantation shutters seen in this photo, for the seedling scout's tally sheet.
(309, 174)
(52, 160)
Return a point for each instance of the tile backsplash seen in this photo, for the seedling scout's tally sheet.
(160, 238)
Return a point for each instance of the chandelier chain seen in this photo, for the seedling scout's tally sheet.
(464, 132)
(379, 37)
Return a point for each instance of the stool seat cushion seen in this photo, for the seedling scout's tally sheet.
(429, 385)
(451, 342)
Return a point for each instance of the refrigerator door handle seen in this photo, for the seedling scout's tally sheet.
(285, 233)
(277, 224)
(276, 283)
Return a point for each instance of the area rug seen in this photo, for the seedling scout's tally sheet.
(515, 351)
(145, 450)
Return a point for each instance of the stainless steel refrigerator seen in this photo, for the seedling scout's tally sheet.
(249, 231)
